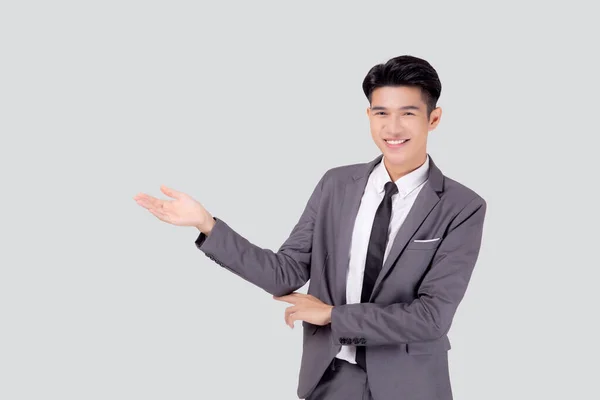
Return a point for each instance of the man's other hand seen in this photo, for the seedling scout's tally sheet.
(305, 307)
(182, 211)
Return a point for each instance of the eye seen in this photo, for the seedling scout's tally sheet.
(409, 113)
(379, 113)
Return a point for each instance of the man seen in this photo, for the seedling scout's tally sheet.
(389, 247)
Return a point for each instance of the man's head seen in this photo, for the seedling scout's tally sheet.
(402, 96)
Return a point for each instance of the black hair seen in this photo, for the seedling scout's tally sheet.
(405, 70)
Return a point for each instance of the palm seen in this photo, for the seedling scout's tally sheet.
(183, 210)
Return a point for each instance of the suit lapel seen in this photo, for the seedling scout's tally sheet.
(353, 192)
(426, 199)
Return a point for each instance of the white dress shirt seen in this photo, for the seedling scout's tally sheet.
(409, 187)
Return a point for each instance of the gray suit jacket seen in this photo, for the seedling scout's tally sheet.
(415, 297)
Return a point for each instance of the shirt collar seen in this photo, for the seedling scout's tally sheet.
(406, 184)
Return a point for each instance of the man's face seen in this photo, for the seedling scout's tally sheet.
(399, 112)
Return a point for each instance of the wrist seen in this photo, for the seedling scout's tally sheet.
(207, 228)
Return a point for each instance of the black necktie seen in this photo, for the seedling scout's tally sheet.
(375, 253)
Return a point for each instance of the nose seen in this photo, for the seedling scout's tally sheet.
(394, 126)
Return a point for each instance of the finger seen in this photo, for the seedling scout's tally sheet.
(158, 213)
(150, 202)
(290, 295)
(297, 295)
(297, 298)
(143, 202)
(288, 312)
(287, 299)
(297, 316)
(171, 192)
(144, 196)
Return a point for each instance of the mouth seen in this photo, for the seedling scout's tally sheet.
(395, 143)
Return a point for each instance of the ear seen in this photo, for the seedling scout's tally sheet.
(434, 118)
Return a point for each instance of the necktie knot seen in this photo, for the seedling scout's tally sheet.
(390, 189)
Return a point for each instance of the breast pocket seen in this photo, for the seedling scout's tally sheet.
(424, 244)
(416, 258)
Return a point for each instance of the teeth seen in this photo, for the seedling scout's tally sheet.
(396, 141)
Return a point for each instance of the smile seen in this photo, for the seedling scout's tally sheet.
(395, 143)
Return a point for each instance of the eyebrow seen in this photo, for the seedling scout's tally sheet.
(411, 107)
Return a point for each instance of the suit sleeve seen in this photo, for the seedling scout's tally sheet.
(430, 315)
(278, 273)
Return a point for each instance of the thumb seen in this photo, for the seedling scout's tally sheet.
(170, 192)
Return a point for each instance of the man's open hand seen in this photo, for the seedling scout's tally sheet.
(305, 307)
(182, 211)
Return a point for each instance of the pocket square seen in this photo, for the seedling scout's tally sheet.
(426, 240)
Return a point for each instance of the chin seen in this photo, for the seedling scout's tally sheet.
(396, 159)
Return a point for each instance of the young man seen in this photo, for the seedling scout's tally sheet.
(389, 247)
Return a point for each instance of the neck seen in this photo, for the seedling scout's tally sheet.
(397, 171)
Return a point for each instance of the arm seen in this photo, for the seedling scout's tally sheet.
(278, 273)
(430, 315)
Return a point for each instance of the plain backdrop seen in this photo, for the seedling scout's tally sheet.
(244, 105)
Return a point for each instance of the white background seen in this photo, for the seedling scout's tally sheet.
(244, 106)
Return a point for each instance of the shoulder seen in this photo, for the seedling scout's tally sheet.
(460, 196)
(342, 173)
